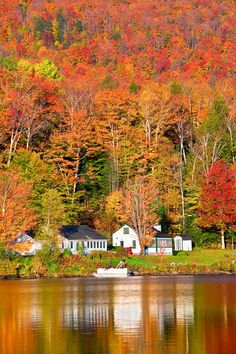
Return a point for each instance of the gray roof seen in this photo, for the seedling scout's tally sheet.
(161, 235)
(80, 232)
(185, 237)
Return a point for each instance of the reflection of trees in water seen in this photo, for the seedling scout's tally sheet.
(120, 316)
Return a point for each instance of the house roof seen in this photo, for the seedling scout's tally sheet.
(125, 225)
(160, 234)
(80, 232)
(186, 237)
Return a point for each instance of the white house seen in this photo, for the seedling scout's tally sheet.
(126, 237)
(161, 244)
(25, 245)
(183, 243)
(82, 238)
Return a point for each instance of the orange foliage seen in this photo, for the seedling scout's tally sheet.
(15, 212)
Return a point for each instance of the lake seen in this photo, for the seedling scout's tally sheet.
(169, 314)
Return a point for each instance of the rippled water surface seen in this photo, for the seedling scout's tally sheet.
(193, 314)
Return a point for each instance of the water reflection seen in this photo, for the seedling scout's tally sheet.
(127, 305)
(139, 315)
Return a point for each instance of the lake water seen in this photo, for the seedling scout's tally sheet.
(190, 314)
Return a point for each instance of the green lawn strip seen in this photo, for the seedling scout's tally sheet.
(198, 257)
(202, 257)
(140, 261)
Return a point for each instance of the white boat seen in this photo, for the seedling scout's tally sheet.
(112, 273)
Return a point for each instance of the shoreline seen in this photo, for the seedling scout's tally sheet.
(14, 277)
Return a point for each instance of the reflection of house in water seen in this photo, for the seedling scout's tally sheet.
(184, 302)
(127, 307)
(35, 313)
(85, 311)
(174, 304)
(77, 316)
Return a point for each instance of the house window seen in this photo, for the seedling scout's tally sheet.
(134, 244)
(100, 244)
(94, 244)
(62, 246)
(125, 230)
(165, 243)
(122, 243)
(97, 244)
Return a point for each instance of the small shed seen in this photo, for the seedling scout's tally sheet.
(183, 243)
(161, 244)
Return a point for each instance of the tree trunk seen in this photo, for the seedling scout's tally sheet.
(223, 239)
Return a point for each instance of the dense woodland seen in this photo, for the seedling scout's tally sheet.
(117, 111)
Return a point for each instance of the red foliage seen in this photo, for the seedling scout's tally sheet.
(218, 197)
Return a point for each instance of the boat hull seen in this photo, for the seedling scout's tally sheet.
(112, 273)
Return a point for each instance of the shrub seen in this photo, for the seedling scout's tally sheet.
(96, 254)
(67, 253)
(8, 267)
(25, 266)
(3, 253)
(49, 256)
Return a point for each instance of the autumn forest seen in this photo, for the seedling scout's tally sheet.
(118, 111)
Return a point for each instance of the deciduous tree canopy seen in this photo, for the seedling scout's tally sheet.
(107, 92)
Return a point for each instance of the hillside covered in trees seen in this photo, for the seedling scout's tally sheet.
(117, 111)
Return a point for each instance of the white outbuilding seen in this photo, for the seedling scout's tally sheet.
(183, 243)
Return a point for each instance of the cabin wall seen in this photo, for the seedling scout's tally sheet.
(167, 251)
(187, 245)
(76, 246)
(123, 239)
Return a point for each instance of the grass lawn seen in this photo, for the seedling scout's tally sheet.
(198, 257)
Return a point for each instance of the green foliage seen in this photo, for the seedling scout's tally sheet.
(166, 38)
(175, 87)
(74, 206)
(49, 255)
(79, 27)
(8, 63)
(58, 28)
(215, 122)
(79, 248)
(52, 214)
(97, 186)
(26, 264)
(163, 218)
(3, 253)
(133, 88)
(108, 83)
(67, 253)
(116, 36)
(41, 25)
(33, 171)
(47, 69)
(206, 240)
